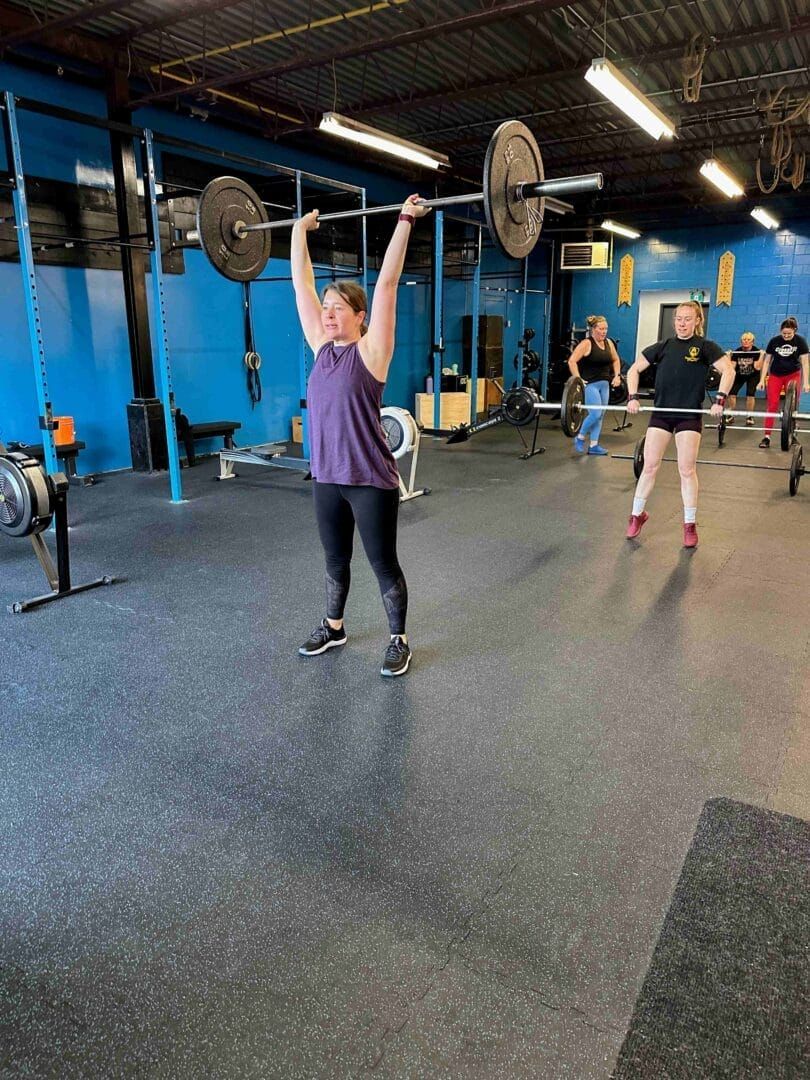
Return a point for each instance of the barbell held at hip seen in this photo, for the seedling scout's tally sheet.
(521, 404)
(233, 228)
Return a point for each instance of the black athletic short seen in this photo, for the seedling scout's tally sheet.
(749, 381)
(675, 422)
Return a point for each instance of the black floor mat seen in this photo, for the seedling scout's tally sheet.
(728, 990)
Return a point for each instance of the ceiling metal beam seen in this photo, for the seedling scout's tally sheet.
(408, 37)
(484, 89)
(178, 14)
(38, 30)
(67, 42)
(720, 144)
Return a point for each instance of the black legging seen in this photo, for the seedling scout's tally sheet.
(337, 508)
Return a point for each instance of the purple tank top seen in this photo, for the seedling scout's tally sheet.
(346, 439)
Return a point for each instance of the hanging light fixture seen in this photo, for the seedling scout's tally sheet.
(622, 230)
(354, 131)
(720, 176)
(618, 89)
(764, 218)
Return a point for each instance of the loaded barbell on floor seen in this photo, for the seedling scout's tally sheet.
(521, 404)
(234, 230)
(795, 470)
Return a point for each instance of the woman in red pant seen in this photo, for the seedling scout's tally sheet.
(786, 361)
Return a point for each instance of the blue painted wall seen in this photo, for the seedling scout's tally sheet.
(771, 281)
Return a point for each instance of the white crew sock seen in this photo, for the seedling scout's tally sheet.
(638, 506)
(689, 515)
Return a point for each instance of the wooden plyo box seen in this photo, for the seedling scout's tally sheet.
(455, 408)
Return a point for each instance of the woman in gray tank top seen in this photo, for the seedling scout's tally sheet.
(354, 476)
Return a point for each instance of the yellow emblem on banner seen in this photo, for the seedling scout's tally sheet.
(725, 278)
(626, 280)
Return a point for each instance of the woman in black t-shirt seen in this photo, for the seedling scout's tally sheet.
(747, 361)
(786, 361)
(680, 383)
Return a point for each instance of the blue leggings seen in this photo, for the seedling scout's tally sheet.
(596, 393)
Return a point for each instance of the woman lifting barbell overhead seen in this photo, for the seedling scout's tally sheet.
(354, 475)
(786, 361)
(596, 361)
(680, 383)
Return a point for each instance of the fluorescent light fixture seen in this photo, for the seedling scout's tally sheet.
(354, 131)
(617, 88)
(719, 175)
(622, 230)
(764, 218)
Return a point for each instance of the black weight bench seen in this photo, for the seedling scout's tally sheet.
(189, 433)
(66, 453)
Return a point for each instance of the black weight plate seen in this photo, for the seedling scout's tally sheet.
(618, 394)
(712, 378)
(513, 157)
(796, 470)
(518, 406)
(788, 416)
(224, 204)
(638, 458)
(25, 499)
(721, 431)
(571, 407)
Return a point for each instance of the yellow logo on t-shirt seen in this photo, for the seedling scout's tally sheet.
(693, 355)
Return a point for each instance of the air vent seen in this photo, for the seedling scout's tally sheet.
(595, 256)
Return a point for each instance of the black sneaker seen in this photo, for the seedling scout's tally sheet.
(323, 638)
(764, 443)
(397, 658)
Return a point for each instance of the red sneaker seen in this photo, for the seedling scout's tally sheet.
(636, 524)
(690, 535)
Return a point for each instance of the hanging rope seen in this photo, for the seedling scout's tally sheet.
(788, 166)
(692, 67)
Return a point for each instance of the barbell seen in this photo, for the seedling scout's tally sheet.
(233, 228)
(521, 404)
(795, 470)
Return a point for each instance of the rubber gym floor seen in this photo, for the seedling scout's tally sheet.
(221, 859)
